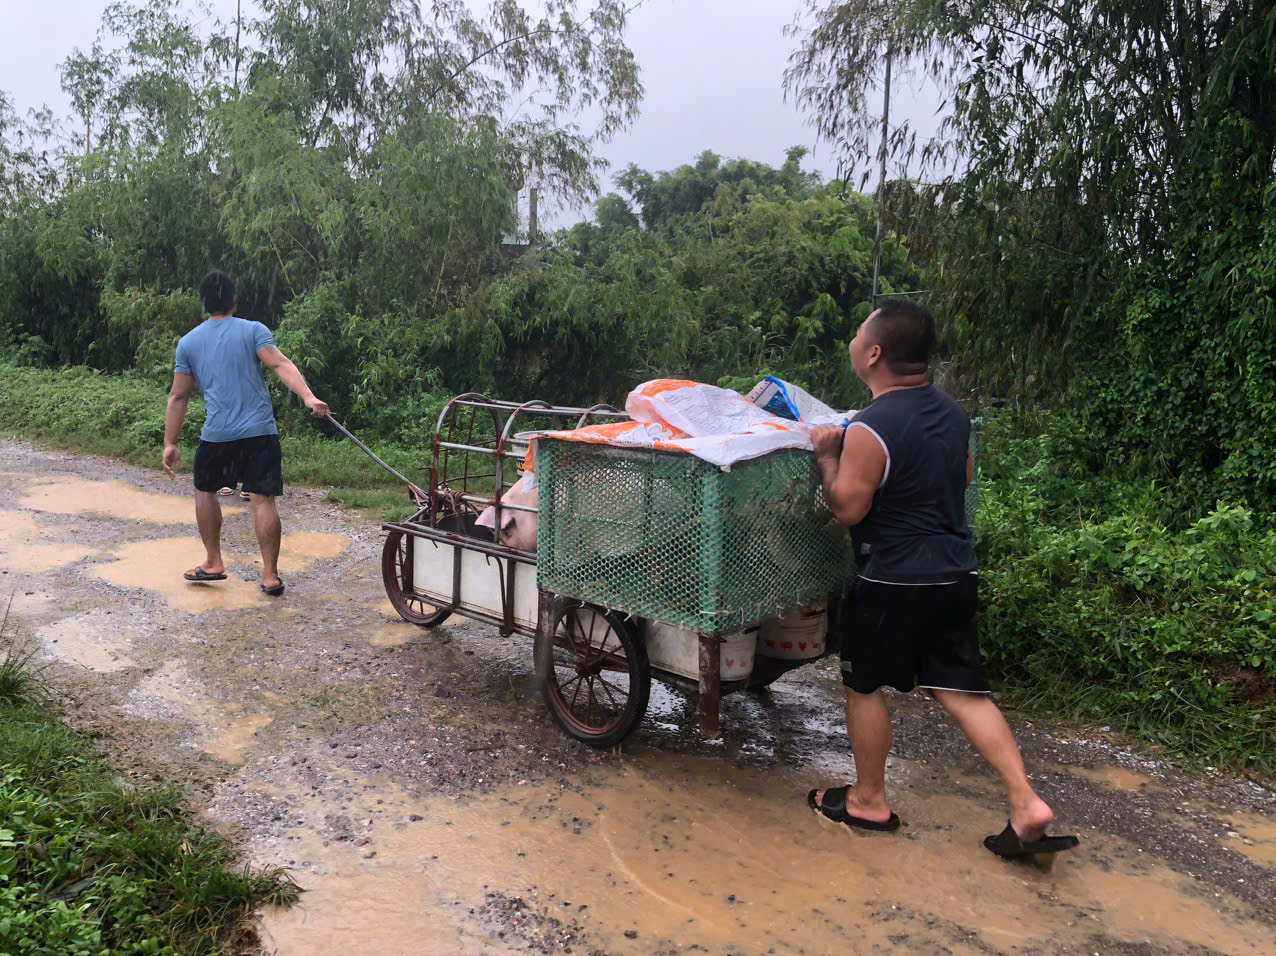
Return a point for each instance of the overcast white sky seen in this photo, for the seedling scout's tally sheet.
(712, 68)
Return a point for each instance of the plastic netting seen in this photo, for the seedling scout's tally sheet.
(675, 539)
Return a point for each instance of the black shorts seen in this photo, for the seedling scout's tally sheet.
(255, 464)
(910, 637)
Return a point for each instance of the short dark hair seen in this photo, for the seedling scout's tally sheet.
(906, 332)
(217, 292)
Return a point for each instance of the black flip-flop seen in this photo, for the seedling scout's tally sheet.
(199, 574)
(835, 810)
(1009, 846)
(277, 590)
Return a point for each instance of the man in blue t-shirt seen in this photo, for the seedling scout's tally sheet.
(224, 356)
(897, 477)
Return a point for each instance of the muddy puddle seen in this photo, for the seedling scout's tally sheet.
(391, 630)
(114, 499)
(25, 547)
(1254, 837)
(298, 550)
(1118, 778)
(158, 565)
(392, 634)
(682, 852)
(224, 729)
(100, 640)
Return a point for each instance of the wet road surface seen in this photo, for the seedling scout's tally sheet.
(420, 793)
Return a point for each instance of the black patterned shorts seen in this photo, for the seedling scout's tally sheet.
(255, 464)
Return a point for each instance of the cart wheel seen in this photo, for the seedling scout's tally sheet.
(594, 674)
(396, 571)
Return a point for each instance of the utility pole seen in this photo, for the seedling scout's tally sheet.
(531, 215)
(238, 25)
(881, 181)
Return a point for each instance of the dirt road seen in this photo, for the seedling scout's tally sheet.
(416, 786)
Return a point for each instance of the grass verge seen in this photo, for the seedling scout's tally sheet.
(88, 866)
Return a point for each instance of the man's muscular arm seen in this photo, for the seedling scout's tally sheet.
(178, 398)
(851, 468)
(291, 376)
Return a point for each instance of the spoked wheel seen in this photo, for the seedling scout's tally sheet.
(396, 571)
(594, 673)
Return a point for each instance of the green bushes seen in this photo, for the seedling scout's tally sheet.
(83, 408)
(1101, 606)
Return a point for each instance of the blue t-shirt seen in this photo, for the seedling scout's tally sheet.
(221, 355)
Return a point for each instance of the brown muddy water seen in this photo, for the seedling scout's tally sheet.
(415, 786)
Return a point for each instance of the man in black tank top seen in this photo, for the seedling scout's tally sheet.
(897, 476)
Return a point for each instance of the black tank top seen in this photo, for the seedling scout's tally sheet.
(916, 531)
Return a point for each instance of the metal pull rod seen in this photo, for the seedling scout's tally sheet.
(416, 492)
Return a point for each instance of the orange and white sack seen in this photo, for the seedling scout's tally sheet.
(722, 426)
(695, 408)
(716, 424)
(624, 434)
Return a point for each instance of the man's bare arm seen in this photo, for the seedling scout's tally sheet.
(851, 477)
(178, 398)
(291, 376)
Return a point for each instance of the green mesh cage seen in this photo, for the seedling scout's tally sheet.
(673, 538)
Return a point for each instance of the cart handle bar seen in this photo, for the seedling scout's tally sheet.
(418, 496)
(558, 411)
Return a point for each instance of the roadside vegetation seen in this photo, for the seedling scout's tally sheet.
(89, 865)
(1095, 229)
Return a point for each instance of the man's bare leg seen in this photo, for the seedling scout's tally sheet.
(208, 515)
(986, 728)
(266, 522)
(868, 725)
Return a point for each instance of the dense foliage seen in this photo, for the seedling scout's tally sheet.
(1096, 210)
(1101, 602)
(354, 165)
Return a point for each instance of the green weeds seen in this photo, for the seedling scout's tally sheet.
(88, 866)
(22, 679)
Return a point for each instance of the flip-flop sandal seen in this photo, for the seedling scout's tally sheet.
(245, 495)
(1009, 846)
(225, 492)
(277, 590)
(833, 806)
(199, 574)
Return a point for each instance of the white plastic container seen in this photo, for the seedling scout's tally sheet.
(797, 636)
(434, 564)
(678, 650)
